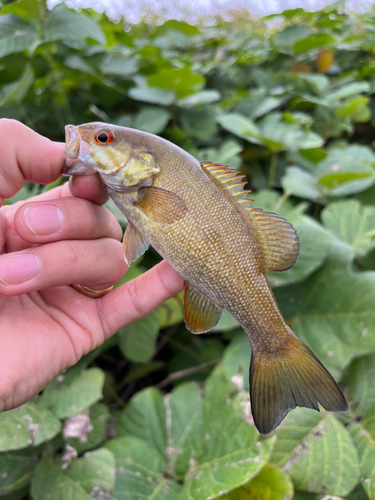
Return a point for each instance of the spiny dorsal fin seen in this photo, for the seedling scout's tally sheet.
(277, 238)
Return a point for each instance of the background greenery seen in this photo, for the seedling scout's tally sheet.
(156, 412)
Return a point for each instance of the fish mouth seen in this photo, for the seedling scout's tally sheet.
(75, 152)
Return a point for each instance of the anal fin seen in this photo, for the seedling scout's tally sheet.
(200, 313)
(134, 244)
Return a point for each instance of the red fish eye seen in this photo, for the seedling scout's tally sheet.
(104, 137)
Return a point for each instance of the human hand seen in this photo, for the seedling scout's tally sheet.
(49, 242)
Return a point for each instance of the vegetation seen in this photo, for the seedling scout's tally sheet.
(293, 108)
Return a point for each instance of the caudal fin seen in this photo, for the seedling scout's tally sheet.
(279, 384)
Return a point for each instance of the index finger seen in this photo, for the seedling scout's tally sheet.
(26, 156)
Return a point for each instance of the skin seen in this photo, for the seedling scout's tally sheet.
(46, 325)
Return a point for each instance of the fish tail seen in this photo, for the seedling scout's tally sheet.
(293, 377)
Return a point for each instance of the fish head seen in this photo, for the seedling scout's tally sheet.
(116, 153)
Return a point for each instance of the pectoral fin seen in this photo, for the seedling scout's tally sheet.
(134, 244)
(200, 313)
(161, 205)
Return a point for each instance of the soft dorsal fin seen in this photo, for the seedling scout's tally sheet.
(277, 238)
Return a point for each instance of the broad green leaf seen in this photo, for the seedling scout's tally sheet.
(183, 81)
(270, 484)
(348, 90)
(95, 472)
(240, 126)
(198, 123)
(363, 434)
(119, 65)
(199, 98)
(226, 322)
(64, 24)
(313, 42)
(184, 426)
(28, 425)
(278, 134)
(222, 474)
(171, 312)
(290, 35)
(152, 95)
(359, 381)
(236, 360)
(152, 120)
(325, 460)
(144, 418)
(352, 223)
(16, 469)
(356, 107)
(29, 10)
(16, 35)
(336, 314)
(85, 436)
(13, 93)
(369, 485)
(137, 341)
(65, 400)
(50, 481)
(139, 471)
(300, 183)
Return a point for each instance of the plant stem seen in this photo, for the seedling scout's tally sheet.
(184, 373)
(272, 173)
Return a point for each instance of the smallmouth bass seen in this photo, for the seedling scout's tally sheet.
(198, 217)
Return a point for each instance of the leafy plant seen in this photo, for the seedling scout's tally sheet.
(157, 412)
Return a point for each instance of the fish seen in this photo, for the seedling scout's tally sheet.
(198, 217)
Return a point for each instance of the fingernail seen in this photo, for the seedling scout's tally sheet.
(43, 219)
(16, 269)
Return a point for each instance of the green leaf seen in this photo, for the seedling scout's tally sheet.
(28, 425)
(363, 435)
(14, 93)
(320, 454)
(144, 418)
(313, 42)
(240, 126)
(226, 322)
(95, 472)
(336, 315)
(16, 469)
(89, 434)
(119, 65)
(50, 481)
(347, 90)
(359, 381)
(171, 312)
(184, 426)
(290, 35)
(270, 484)
(66, 25)
(152, 120)
(352, 223)
(67, 399)
(199, 98)
(137, 341)
(139, 471)
(152, 95)
(236, 360)
(181, 80)
(16, 35)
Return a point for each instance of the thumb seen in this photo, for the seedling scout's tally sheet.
(3, 230)
(26, 156)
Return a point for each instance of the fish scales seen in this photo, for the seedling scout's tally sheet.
(221, 249)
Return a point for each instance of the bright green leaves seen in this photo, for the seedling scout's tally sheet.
(67, 399)
(16, 35)
(317, 453)
(273, 131)
(342, 172)
(138, 341)
(89, 477)
(139, 471)
(28, 425)
(182, 81)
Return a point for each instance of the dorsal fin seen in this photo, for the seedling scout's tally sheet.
(277, 238)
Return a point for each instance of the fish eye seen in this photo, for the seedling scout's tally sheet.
(104, 136)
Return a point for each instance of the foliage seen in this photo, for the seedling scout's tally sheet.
(293, 108)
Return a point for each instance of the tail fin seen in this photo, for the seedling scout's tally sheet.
(279, 384)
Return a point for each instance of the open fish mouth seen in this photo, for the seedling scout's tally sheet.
(75, 153)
